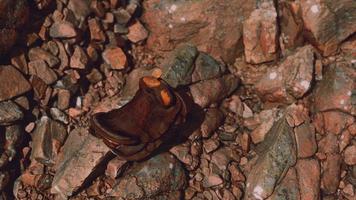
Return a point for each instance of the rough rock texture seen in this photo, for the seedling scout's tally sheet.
(154, 177)
(278, 154)
(215, 26)
(329, 22)
(260, 34)
(308, 171)
(12, 83)
(9, 112)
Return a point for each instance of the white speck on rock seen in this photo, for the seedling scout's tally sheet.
(315, 9)
(183, 19)
(342, 102)
(272, 75)
(172, 8)
(170, 166)
(170, 26)
(257, 192)
(305, 84)
(349, 93)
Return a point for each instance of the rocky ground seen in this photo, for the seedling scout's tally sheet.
(274, 80)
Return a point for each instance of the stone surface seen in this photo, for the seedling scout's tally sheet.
(288, 188)
(278, 154)
(265, 120)
(336, 90)
(331, 173)
(43, 71)
(79, 59)
(213, 119)
(308, 171)
(350, 155)
(96, 32)
(47, 137)
(10, 112)
(158, 175)
(114, 167)
(211, 91)
(290, 80)
(206, 67)
(40, 54)
(305, 140)
(115, 57)
(12, 83)
(214, 26)
(82, 153)
(260, 34)
(177, 69)
(62, 29)
(328, 22)
(137, 32)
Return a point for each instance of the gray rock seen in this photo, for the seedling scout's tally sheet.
(13, 135)
(288, 189)
(179, 66)
(82, 153)
(206, 67)
(159, 175)
(277, 154)
(47, 138)
(211, 91)
(9, 112)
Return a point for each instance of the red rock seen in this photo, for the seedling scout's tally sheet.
(350, 155)
(173, 23)
(63, 99)
(96, 32)
(344, 139)
(260, 34)
(137, 32)
(42, 70)
(288, 188)
(79, 59)
(213, 119)
(305, 138)
(265, 121)
(62, 55)
(12, 83)
(40, 54)
(20, 63)
(335, 122)
(39, 87)
(296, 115)
(236, 174)
(319, 17)
(328, 144)
(62, 29)
(115, 57)
(211, 145)
(331, 173)
(212, 180)
(290, 80)
(308, 171)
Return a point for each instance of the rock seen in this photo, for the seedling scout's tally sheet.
(62, 29)
(288, 188)
(58, 115)
(63, 99)
(122, 16)
(212, 180)
(9, 112)
(14, 136)
(331, 173)
(12, 83)
(47, 138)
(20, 63)
(40, 54)
(266, 119)
(137, 32)
(115, 57)
(277, 155)
(260, 34)
(290, 80)
(62, 55)
(336, 121)
(13, 15)
(328, 144)
(211, 145)
(350, 155)
(42, 70)
(96, 32)
(211, 91)
(114, 167)
(223, 156)
(336, 90)
(305, 140)
(182, 153)
(82, 153)
(80, 8)
(213, 119)
(308, 171)
(149, 179)
(79, 59)
(206, 67)
(320, 17)
(177, 69)
(94, 76)
(236, 174)
(214, 26)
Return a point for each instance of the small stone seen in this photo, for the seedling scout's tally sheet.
(94, 76)
(115, 57)
(20, 63)
(122, 16)
(350, 155)
(12, 83)
(223, 156)
(213, 119)
(43, 71)
(266, 120)
(63, 99)
(41, 54)
(59, 115)
(236, 174)
(10, 112)
(212, 180)
(114, 167)
(211, 145)
(305, 138)
(137, 32)
(62, 29)
(331, 173)
(98, 8)
(308, 171)
(96, 32)
(79, 59)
